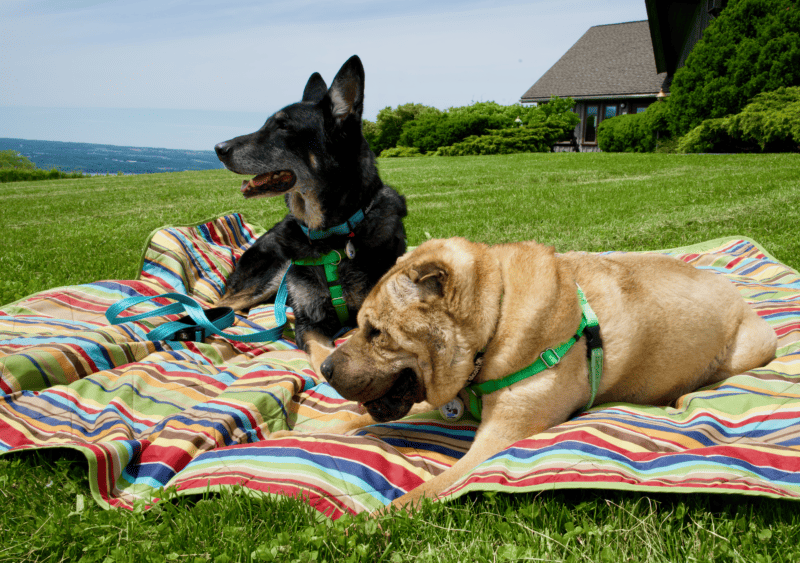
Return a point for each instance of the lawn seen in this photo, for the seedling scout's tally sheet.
(76, 231)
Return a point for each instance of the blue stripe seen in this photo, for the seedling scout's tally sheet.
(97, 352)
(322, 388)
(422, 446)
(351, 472)
(168, 277)
(153, 474)
(39, 369)
(200, 264)
(55, 424)
(753, 430)
(661, 464)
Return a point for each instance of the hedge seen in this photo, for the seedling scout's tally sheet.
(752, 47)
(769, 123)
(24, 175)
(637, 132)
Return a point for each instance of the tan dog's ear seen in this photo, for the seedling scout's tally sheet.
(430, 279)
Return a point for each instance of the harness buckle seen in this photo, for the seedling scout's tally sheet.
(593, 340)
(550, 357)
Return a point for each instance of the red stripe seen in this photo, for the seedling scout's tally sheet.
(14, 437)
(733, 262)
(5, 387)
(399, 476)
(318, 498)
(566, 475)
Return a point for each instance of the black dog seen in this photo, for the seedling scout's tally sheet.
(315, 154)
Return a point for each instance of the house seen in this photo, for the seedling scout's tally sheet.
(623, 68)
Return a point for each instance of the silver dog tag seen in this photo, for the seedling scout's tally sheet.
(452, 411)
(350, 250)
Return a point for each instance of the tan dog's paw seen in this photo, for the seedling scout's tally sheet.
(318, 348)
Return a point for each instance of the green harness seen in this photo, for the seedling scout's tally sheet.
(333, 258)
(547, 359)
(331, 262)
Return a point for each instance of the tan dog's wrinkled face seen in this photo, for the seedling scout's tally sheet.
(415, 340)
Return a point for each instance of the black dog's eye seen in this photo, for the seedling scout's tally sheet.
(281, 120)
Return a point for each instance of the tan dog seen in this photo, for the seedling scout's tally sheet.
(666, 328)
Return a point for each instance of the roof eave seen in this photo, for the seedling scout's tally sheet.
(654, 23)
(594, 97)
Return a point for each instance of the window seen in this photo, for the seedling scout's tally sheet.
(611, 111)
(590, 131)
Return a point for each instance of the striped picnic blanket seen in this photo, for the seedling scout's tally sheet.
(196, 417)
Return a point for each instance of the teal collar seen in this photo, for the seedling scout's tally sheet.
(589, 326)
(345, 228)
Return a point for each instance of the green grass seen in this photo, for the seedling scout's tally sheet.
(66, 232)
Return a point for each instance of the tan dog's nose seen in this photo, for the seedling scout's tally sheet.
(327, 369)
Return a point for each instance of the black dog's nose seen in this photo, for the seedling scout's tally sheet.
(327, 369)
(223, 149)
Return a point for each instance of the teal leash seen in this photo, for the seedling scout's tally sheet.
(216, 320)
(207, 321)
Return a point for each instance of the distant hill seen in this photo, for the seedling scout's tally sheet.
(110, 159)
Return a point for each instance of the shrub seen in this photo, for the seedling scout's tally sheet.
(752, 47)
(24, 175)
(709, 136)
(458, 130)
(431, 131)
(427, 129)
(770, 123)
(639, 132)
(400, 152)
(620, 134)
(535, 138)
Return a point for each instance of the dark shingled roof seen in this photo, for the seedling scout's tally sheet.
(608, 61)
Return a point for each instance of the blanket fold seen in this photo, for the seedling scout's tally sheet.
(197, 416)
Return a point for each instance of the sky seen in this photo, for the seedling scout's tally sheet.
(188, 74)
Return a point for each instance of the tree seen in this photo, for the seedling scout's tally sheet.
(13, 159)
(752, 47)
(388, 126)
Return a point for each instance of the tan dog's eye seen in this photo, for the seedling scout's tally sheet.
(373, 333)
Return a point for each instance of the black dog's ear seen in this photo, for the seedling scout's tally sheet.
(430, 279)
(347, 90)
(315, 89)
